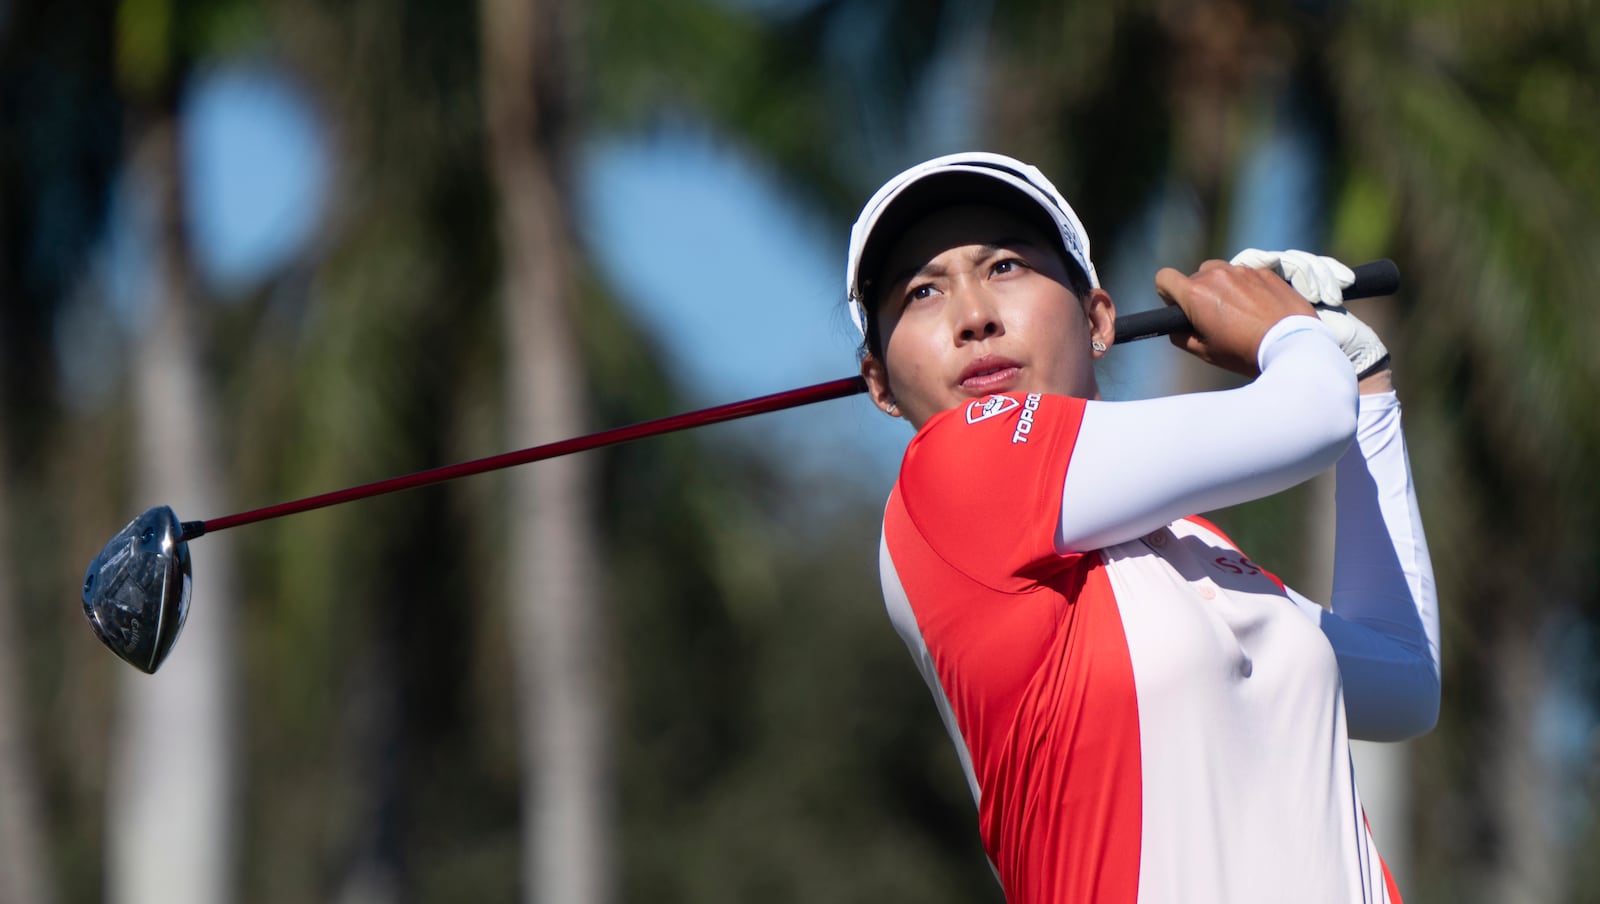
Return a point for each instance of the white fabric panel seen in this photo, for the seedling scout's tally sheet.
(1384, 623)
(905, 624)
(1241, 734)
(1139, 465)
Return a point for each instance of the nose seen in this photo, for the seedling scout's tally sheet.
(977, 317)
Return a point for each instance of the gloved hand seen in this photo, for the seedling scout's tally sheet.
(1321, 280)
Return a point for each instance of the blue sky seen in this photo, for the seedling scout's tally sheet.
(259, 168)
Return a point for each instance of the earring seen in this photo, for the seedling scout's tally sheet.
(1097, 345)
(894, 407)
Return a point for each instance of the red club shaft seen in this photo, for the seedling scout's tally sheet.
(793, 398)
(1380, 277)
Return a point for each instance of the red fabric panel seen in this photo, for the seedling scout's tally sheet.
(1028, 646)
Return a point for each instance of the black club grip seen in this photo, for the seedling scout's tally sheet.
(1373, 279)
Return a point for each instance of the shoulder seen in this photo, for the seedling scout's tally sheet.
(981, 484)
(995, 431)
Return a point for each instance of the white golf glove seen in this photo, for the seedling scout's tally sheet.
(1321, 280)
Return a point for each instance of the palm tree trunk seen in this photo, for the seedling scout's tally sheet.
(1527, 865)
(24, 832)
(557, 624)
(172, 774)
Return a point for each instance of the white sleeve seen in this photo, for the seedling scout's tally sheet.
(1139, 465)
(1384, 623)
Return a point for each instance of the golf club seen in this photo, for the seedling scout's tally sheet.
(136, 592)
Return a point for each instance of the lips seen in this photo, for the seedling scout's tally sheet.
(989, 374)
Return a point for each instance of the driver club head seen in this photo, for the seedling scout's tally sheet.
(136, 592)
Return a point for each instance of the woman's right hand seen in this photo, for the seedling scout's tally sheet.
(1230, 309)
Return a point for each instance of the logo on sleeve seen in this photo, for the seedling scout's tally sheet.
(993, 406)
(1030, 404)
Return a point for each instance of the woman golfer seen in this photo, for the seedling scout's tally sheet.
(1142, 711)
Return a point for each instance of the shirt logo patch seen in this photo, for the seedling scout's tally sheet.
(993, 406)
(1030, 404)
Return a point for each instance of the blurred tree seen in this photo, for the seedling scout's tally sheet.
(752, 683)
(1471, 145)
(832, 94)
(25, 831)
(59, 144)
(373, 773)
(350, 365)
(691, 557)
(171, 828)
(25, 876)
(776, 745)
(559, 626)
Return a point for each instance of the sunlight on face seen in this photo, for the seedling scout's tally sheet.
(976, 300)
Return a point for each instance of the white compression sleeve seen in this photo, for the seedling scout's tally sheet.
(1139, 465)
(1384, 623)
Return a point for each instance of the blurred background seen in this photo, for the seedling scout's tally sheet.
(256, 249)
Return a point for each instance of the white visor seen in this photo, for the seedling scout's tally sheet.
(970, 177)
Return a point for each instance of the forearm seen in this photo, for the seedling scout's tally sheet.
(1384, 619)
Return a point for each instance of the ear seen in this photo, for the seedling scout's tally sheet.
(877, 377)
(1102, 314)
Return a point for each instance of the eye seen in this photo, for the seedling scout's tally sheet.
(916, 293)
(1006, 265)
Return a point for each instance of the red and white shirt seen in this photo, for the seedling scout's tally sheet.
(1142, 712)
